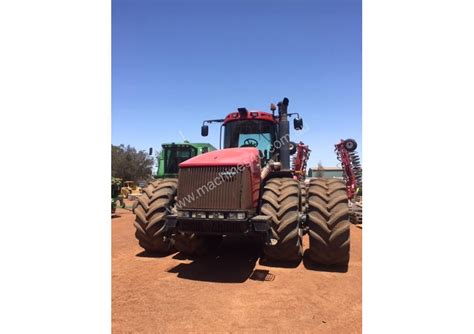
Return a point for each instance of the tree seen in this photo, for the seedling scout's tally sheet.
(130, 164)
(320, 170)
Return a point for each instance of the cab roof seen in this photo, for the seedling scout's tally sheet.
(187, 144)
(250, 115)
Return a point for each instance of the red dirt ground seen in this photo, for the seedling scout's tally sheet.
(229, 291)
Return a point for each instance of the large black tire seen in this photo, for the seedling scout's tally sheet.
(281, 201)
(328, 221)
(192, 244)
(153, 206)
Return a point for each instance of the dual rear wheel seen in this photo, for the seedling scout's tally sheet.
(328, 222)
(281, 200)
(152, 207)
(327, 218)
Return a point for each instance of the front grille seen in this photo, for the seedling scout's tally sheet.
(197, 188)
(209, 226)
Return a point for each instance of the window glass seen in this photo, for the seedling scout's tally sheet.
(251, 133)
(176, 155)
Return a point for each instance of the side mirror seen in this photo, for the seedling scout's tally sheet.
(150, 151)
(204, 130)
(292, 147)
(298, 123)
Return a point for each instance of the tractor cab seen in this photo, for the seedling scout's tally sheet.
(259, 131)
(172, 154)
(264, 131)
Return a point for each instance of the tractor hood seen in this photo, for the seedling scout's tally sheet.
(226, 157)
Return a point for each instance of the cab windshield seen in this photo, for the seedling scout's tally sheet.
(251, 133)
(176, 155)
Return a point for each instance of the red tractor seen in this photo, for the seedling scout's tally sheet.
(247, 188)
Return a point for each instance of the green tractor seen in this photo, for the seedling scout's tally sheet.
(116, 196)
(173, 154)
(169, 158)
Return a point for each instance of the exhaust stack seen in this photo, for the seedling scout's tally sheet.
(284, 135)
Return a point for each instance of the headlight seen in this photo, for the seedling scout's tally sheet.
(216, 215)
(184, 214)
(236, 215)
(198, 214)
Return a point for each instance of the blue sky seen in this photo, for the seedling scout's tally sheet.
(177, 63)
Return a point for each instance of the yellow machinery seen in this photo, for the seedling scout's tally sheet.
(130, 188)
